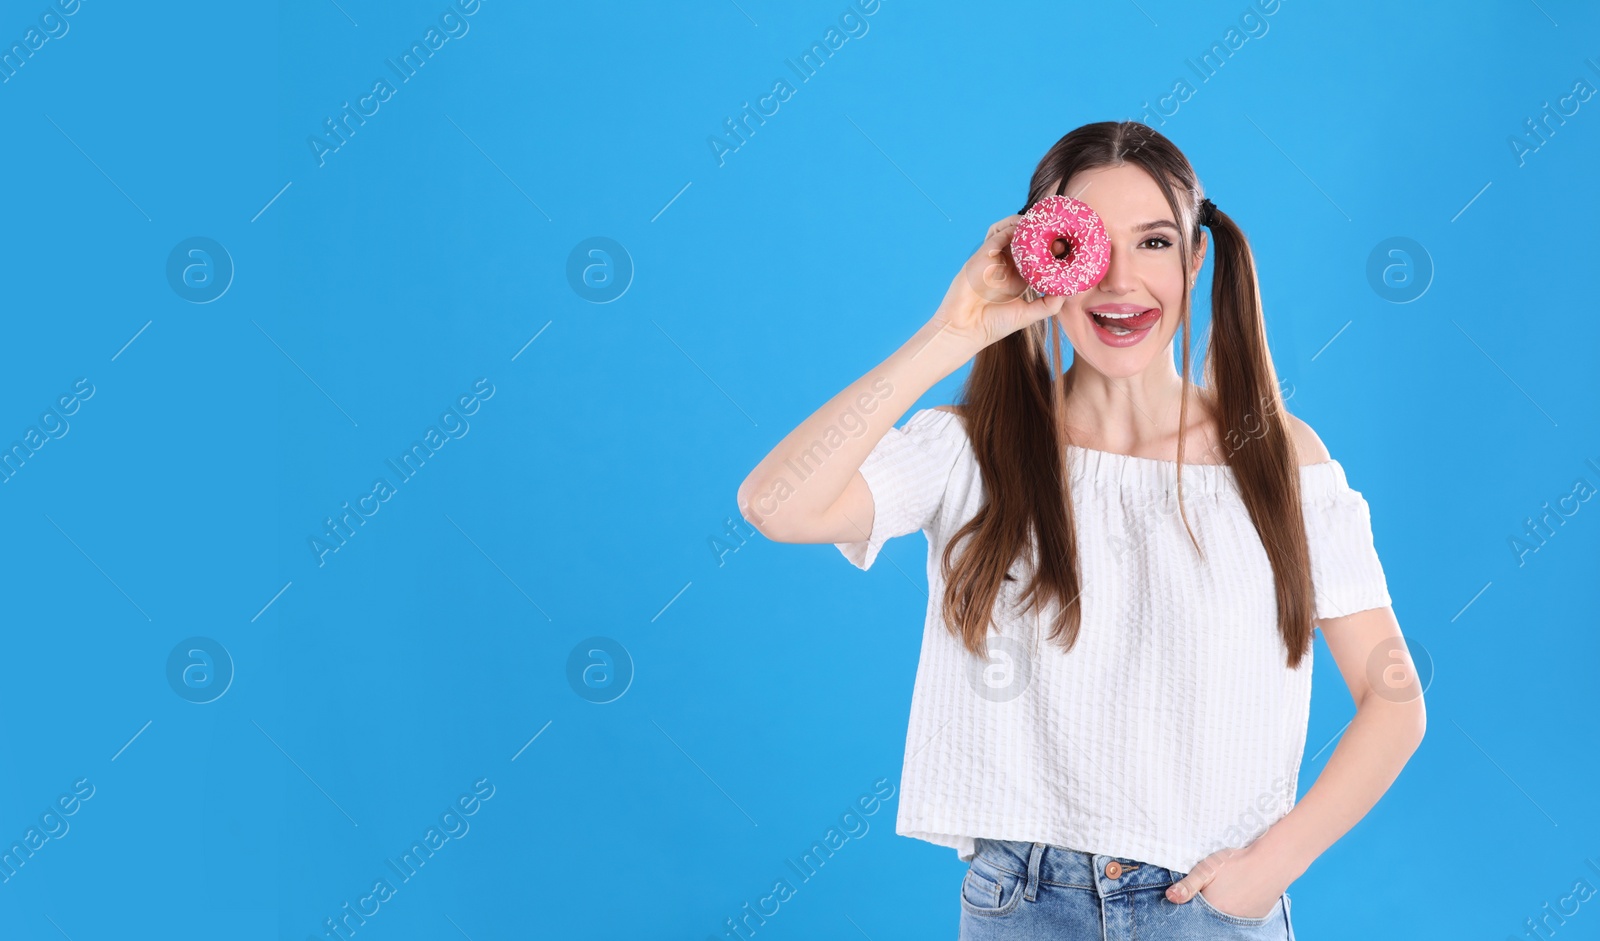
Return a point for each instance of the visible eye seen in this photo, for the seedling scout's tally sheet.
(1156, 238)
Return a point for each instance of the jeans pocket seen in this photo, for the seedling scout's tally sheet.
(990, 889)
(1215, 912)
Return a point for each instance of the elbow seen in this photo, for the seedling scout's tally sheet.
(752, 514)
(742, 501)
(1413, 722)
(764, 503)
(1406, 719)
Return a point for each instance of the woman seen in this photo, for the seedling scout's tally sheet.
(1124, 570)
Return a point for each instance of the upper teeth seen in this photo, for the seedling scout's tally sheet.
(1107, 313)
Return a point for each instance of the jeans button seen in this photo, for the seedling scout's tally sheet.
(1113, 869)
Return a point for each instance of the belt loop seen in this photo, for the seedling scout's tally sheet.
(1033, 872)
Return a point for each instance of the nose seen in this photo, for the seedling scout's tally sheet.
(1118, 278)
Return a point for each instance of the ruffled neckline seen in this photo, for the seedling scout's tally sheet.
(1109, 469)
(1149, 476)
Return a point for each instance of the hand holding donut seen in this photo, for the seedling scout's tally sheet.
(985, 301)
(1016, 276)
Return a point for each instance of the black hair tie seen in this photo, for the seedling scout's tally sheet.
(1208, 212)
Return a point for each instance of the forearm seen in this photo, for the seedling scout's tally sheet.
(807, 471)
(1368, 758)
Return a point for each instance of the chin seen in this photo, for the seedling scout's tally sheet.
(1118, 362)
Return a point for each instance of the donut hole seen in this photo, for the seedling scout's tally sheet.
(1060, 248)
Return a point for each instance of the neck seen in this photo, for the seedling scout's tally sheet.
(1124, 413)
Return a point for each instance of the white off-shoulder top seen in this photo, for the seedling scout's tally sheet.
(1173, 728)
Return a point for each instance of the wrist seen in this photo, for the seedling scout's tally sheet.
(1281, 851)
(948, 346)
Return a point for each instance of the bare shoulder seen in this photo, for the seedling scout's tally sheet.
(1308, 448)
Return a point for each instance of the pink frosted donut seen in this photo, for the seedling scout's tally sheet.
(1088, 248)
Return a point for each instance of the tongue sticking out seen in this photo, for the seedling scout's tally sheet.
(1123, 325)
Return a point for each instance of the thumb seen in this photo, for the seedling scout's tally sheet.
(1184, 889)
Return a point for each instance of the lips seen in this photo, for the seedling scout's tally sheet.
(1125, 317)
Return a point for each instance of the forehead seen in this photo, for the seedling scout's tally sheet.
(1124, 196)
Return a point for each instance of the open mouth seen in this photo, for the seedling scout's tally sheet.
(1124, 327)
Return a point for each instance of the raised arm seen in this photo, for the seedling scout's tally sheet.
(808, 488)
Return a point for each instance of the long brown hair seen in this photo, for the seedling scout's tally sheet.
(1014, 407)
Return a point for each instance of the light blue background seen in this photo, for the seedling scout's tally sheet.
(769, 687)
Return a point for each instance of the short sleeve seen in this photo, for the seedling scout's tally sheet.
(907, 472)
(1346, 575)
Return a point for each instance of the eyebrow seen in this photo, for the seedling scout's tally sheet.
(1158, 224)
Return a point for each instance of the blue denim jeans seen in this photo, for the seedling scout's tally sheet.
(1017, 891)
